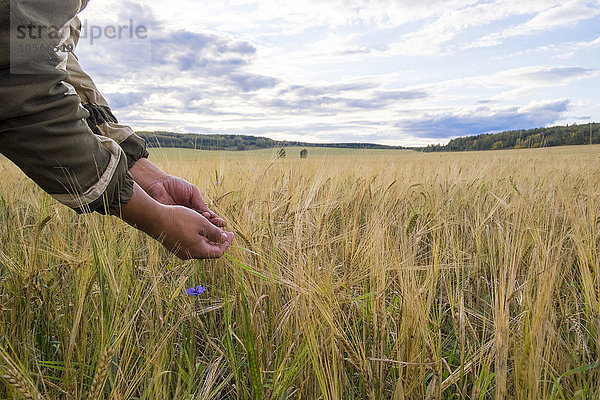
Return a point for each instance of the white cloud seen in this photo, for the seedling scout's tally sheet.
(561, 15)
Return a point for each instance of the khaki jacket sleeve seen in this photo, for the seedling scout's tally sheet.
(44, 132)
(101, 120)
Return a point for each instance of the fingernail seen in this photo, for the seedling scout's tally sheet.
(223, 237)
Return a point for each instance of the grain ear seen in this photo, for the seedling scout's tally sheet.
(101, 374)
(22, 385)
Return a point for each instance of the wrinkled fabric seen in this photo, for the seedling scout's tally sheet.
(54, 123)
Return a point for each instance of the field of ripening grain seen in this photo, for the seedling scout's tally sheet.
(353, 275)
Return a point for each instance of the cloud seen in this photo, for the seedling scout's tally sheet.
(341, 97)
(124, 100)
(383, 98)
(252, 82)
(484, 119)
(199, 52)
(564, 14)
(320, 90)
(439, 34)
(295, 16)
(505, 85)
(594, 43)
(161, 52)
(559, 74)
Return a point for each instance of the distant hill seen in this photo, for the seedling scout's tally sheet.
(238, 142)
(541, 137)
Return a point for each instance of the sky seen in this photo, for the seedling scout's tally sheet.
(409, 73)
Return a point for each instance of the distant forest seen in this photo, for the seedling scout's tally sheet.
(523, 139)
(238, 142)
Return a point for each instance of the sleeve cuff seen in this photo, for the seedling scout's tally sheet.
(102, 122)
(134, 148)
(117, 194)
(123, 196)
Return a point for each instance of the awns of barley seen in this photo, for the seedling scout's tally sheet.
(23, 386)
(101, 374)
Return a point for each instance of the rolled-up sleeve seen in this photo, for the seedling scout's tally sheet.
(43, 130)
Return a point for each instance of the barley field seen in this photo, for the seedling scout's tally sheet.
(353, 275)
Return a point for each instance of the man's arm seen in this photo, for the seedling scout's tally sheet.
(44, 134)
(43, 131)
(42, 122)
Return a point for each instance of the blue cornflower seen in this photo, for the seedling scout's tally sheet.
(196, 291)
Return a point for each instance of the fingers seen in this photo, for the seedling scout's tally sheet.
(212, 232)
(217, 221)
(212, 250)
(206, 249)
(198, 204)
(188, 195)
(214, 219)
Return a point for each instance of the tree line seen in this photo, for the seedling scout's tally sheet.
(523, 139)
(238, 142)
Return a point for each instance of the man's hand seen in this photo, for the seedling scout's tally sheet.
(171, 190)
(183, 231)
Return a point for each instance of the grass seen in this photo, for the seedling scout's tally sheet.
(354, 275)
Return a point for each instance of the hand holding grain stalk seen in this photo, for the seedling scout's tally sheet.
(185, 232)
(173, 211)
